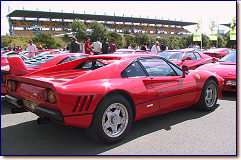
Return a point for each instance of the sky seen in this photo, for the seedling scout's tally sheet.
(187, 11)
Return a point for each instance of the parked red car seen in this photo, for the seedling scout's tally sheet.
(226, 68)
(192, 59)
(18, 67)
(106, 93)
(218, 53)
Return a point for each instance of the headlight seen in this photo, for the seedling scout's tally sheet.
(231, 83)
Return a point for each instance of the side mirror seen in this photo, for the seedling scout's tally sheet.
(187, 59)
(184, 69)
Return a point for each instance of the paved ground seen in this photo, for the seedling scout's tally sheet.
(183, 132)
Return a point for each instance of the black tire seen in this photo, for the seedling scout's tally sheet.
(203, 102)
(98, 132)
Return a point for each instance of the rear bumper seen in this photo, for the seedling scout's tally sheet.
(39, 110)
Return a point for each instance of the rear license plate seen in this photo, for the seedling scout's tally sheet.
(29, 104)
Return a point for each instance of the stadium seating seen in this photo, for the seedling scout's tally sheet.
(37, 28)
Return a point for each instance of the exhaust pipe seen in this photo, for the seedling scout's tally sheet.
(18, 110)
(43, 120)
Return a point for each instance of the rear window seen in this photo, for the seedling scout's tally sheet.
(92, 64)
(37, 61)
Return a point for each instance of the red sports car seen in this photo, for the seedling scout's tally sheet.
(226, 68)
(106, 93)
(18, 67)
(218, 53)
(192, 59)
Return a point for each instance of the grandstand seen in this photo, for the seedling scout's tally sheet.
(25, 23)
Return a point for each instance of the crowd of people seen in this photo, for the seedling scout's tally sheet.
(15, 48)
(96, 47)
(104, 48)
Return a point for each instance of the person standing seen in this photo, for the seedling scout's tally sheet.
(74, 46)
(163, 47)
(129, 47)
(20, 48)
(105, 46)
(137, 47)
(9, 48)
(144, 47)
(154, 48)
(87, 46)
(112, 47)
(40, 46)
(31, 49)
(152, 44)
(15, 48)
(97, 46)
(83, 47)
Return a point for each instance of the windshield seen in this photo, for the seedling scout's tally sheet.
(175, 56)
(229, 58)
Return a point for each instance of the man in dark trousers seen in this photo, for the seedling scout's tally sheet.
(74, 46)
(105, 46)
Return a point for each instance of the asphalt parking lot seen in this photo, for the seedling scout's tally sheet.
(183, 132)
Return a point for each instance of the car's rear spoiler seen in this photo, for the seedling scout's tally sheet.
(17, 67)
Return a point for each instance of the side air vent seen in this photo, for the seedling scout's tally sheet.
(83, 103)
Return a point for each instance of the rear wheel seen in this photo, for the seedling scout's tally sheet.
(112, 120)
(209, 96)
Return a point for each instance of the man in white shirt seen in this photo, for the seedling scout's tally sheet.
(154, 48)
(97, 46)
(31, 49)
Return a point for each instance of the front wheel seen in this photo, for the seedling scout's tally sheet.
(112, 120)
(209, 96)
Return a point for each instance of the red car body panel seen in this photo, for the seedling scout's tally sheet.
(78, 92)
(227, 70)
(18, 67)
(193, 64)
(217, 53)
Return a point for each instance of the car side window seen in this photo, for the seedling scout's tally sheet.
(133, 70)
(157, 67)
(65, 60)
(197, 55)
(190, 54)
(176, 69)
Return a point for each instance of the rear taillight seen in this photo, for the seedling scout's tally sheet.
(51, 97)
(48, 95)
(12, 85)
(45, 95)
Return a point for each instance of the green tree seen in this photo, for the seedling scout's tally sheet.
(45, 40)
(143, 38)
(5, 42)
(98, 30)
(79, 29)
(115, 38)
(230, 43)
(129, 39)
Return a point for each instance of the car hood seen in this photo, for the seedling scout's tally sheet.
(224, 69)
